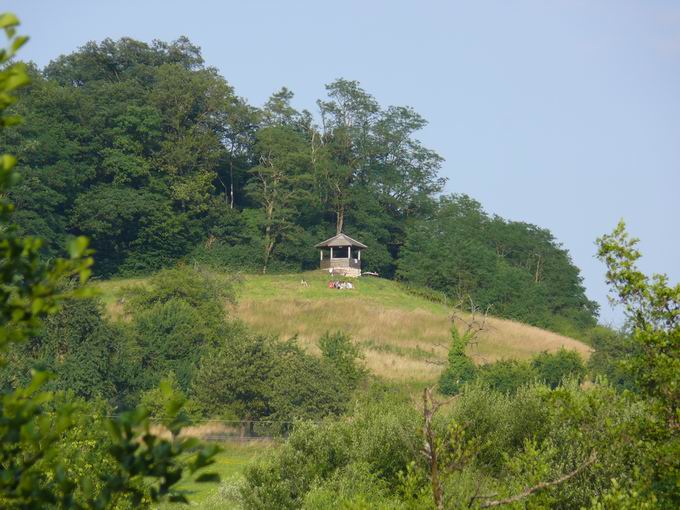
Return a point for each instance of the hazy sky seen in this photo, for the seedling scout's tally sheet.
(565, 114)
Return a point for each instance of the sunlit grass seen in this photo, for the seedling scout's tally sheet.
(229, 464)
(404, 337)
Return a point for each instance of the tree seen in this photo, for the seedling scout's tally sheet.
(178, 315)
(239, 136)
(652, 307)
(337, 348)
(269, 383)
(280, 185)
(460, 369)
(77, 346)
(234, 377)
(612, 352)
(347, 119)
(517, 269)
(192, 105)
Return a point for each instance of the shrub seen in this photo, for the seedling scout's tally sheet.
(198, 288)
(154, 401)
(610, 359)
(507, 376)
(352, 486)
(223, 256)
(78, 346)
(178, 315)
(361, 458)
(257, 377)
(460, 368)
(234, 376)
(170, 336)
(553, 368)
(337, 348)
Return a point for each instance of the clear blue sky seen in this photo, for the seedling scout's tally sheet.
(564, 113)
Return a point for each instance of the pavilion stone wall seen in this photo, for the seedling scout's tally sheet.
(352, 272)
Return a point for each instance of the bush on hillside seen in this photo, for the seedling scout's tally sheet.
(195, 286)
(222, 256)
(171, 337)
(460, 369)
(155, 400)
(233, 376)
(507, 376)
(338, 350)
(176, 315)
(78, 346)
(553, 368)
(257, 378)
(610, 359)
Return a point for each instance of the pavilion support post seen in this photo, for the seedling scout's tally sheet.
(331, 252)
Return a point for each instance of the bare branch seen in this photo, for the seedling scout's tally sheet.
(430, 408)
(541, 486)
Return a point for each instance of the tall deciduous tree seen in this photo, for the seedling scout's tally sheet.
(347, 118)
(281, 182)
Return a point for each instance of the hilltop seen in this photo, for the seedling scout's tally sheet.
(403, 336)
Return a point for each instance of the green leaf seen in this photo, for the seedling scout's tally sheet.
(8, 19)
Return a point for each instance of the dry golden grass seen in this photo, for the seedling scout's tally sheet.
(403, 337)
(400, 342)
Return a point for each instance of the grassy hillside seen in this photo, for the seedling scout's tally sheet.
(403, 336)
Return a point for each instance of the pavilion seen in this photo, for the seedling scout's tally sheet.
(341, 255)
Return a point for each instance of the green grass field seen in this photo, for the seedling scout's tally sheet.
(229, 464)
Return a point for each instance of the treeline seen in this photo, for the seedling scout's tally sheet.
(153, 156)
(511, 269)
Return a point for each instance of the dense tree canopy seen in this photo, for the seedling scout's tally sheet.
(152, 154)
(513, 269)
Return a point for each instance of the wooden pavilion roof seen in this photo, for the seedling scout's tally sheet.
(339, 241)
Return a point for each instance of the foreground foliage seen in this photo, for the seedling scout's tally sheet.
(488, 443)
(47, 443)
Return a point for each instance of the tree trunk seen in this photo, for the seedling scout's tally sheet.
(231, 184)
(430, 448)
(268, 247)
(537, 275)
(340, 219)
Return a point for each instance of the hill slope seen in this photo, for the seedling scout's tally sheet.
(403, 336)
